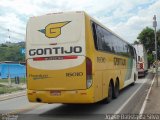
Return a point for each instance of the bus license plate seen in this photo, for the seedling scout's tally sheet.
(56, 93)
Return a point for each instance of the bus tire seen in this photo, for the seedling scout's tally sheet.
(116, 89)
(110, 93)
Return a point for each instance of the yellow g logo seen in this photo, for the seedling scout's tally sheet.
(53, 30)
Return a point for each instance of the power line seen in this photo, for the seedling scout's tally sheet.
(11, 38)
(8, 30)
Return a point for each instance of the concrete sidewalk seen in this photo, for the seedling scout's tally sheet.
(153, 101)
(12, 95)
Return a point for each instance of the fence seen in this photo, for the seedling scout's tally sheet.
(10, 70)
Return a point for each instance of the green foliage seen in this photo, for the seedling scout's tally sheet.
(5, 89)
(4, 45)
(136, 42)
(147, 38)
(11, 53)
(158, 40)
(150, 58)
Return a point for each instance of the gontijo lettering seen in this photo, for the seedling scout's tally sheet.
(55, 50)
(119, 61)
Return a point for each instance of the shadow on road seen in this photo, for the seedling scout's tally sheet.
(76, 111)
(83, 111)
(70, 112)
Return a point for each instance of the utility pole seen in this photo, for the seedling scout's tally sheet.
(9, 79)
(155, 25)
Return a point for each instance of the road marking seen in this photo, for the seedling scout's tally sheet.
(145, 101)
(126, 102)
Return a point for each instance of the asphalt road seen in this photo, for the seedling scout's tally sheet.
(129, 101)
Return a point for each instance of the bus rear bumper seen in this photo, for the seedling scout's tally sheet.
(72, 96)
(142, 73)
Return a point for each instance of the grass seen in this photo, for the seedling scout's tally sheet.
(6, 89)
(9, 89)
(22, 80)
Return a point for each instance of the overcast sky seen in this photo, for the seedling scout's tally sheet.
(125, 17)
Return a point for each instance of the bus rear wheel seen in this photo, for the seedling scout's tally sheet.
(116, 90)
(110, 93)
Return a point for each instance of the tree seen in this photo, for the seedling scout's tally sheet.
(147, 38)
(136, 42)
(4, 45)
(158, 39)
(11, 53)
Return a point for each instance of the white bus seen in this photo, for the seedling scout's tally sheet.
(142, 61)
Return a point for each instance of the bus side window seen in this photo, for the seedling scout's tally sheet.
(95, 35)
(131, 51)
(100, 37)
(107, 42)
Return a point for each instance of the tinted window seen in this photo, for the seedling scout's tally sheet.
(106, 41)
(94, 35)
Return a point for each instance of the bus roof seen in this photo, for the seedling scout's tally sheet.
(93, 19)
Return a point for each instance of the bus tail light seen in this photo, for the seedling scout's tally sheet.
(88, 72)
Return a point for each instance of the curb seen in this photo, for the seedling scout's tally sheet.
(12, 95)
(146, 98)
